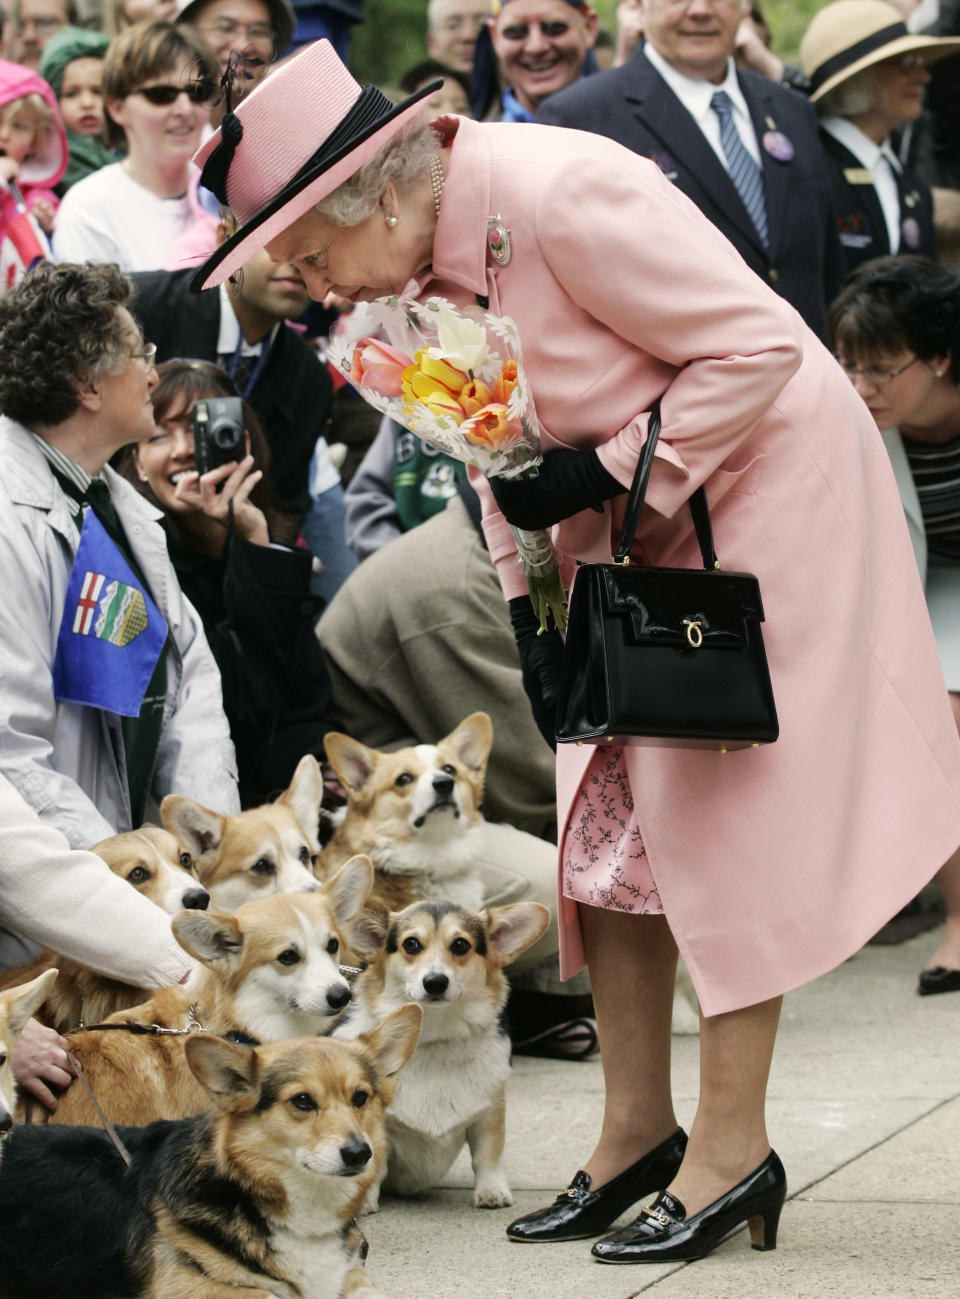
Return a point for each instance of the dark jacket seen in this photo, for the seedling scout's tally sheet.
(633, 105)
(258, 616)
(860, 221)
(292, 395)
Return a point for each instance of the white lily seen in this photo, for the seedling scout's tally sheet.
(462, 342)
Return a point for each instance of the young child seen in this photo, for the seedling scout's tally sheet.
(73, 65)
(33, 157)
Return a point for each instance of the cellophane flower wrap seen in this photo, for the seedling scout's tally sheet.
(455, 377)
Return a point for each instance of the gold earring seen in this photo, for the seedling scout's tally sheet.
(392, 221)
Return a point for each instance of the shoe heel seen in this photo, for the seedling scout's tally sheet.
(763, 1227)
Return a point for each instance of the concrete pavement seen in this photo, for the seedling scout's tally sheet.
(864, 1110)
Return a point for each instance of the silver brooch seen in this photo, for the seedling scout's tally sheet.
(498, 240)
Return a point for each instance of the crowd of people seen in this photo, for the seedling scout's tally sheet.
(193, 195)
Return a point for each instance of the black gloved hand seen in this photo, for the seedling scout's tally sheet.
(568, 482)
(540, 659)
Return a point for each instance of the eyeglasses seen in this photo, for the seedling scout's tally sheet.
(260, 35)
(147, 354)
(198, 92)
(873, 374)
(906, 62)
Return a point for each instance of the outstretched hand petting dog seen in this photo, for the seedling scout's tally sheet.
(41, 1058)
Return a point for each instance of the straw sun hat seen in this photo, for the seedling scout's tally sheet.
(849, 35)
(299, 134)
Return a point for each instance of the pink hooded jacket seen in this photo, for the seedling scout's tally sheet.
(21, 240)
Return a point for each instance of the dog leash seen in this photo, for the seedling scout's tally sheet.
(154, 1030)
(108, 1127)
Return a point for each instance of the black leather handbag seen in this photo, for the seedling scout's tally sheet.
(665, 656)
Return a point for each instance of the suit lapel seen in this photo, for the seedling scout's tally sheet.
(864, 197)
(776, 175)
(655, 105)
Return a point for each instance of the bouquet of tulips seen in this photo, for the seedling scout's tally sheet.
(454, 376)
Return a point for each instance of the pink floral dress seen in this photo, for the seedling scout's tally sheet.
(604, 861)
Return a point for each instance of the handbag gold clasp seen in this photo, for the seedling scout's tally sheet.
(694, 634)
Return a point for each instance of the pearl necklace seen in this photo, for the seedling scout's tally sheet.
(436, 179)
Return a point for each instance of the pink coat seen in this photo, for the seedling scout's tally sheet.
(775, 864)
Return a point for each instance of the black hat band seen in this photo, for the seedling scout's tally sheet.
(854, 52)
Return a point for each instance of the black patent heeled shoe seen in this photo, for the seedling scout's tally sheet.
(663, 1233)
(579, 1212)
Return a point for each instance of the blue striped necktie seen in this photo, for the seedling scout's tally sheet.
(744, 172)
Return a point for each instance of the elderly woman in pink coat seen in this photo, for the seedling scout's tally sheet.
(765, 867)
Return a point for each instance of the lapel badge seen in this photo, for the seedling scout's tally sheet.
(666, 164)
(778, 145)
(498, 240)
(910, 233)
(912, 198)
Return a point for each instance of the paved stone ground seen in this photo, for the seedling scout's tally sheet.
(864, 1110)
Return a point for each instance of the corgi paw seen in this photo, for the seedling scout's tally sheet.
(371, 1202)
(492, 1193)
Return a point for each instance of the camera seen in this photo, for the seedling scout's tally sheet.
(219, 435)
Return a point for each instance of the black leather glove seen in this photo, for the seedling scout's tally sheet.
(540, 659)
(568, 482)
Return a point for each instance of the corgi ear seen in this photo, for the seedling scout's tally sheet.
(368, 933)
(208, 936)
(471, 742)
(227, 1070)
(515, 928)
(22, 1001)
(196, 827)
(304, 796)
(350, 887)
(352, 761)
(393, 1042)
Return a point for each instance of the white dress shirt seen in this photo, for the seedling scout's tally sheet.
(695, 94)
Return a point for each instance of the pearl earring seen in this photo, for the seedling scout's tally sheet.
(939, 373)
(392, 221)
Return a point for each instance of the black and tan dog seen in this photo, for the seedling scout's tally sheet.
(254, 1200)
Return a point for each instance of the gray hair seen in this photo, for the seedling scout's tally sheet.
(850, 98)
(403, 161)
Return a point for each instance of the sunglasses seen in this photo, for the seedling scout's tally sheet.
(198, 92)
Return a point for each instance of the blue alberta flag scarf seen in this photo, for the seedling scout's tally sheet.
(111, 632)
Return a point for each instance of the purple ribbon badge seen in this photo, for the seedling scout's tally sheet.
(778, 146)
(910, 233)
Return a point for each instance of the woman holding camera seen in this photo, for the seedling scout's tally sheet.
(251, 588)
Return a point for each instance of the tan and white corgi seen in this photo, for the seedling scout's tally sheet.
(255, 1199)
(264, 850)
(415, 813)
(450, 962)
(17, 1005)
(269, 971)
(156, 865)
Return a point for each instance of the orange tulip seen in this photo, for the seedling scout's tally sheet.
(506, 382)
(474, 396)
(493, 427)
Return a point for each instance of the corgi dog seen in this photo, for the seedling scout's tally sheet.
(156, 865)
(415, 813)
(255, 1199)
(264, 850)
(17, 1005)
(269, 971)
(449, 961)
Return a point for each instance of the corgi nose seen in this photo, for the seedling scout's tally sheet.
(6, 1122)
(443, 785)
(355, 1154)
(195, 900)
(338, 996)
(435, 985)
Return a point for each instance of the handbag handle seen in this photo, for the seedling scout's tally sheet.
(638, 490)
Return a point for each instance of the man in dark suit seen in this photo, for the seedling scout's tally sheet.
(751, 160)
(243, 328)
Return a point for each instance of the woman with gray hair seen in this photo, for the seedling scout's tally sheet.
(867, 77)
(764, 867)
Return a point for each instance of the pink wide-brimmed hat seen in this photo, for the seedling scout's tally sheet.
(300, 133)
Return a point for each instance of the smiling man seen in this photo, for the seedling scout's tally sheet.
(541, 47)
(242, 327)
(743, 148)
